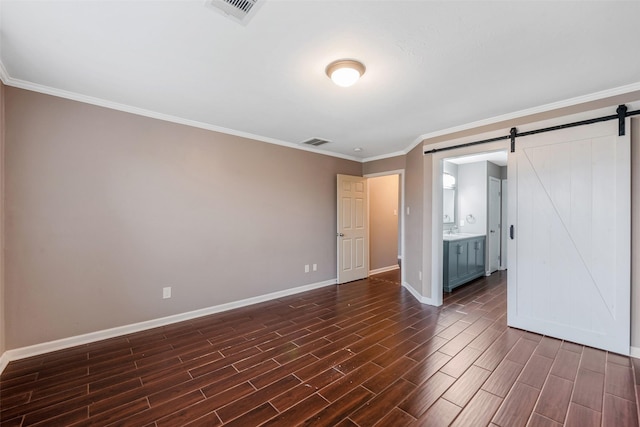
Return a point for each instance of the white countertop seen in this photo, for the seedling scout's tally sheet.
(460, 236)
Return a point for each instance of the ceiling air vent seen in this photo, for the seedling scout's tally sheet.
(239, 10)
(316, 142)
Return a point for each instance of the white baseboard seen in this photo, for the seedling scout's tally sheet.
(416, 295)
(412, 291)
(634, 352)
(47, 347)
(383, 269)
(4, 361)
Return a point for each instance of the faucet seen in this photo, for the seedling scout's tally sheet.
(453, 229)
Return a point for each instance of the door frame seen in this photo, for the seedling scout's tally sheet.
(436, 201)
(401, 219)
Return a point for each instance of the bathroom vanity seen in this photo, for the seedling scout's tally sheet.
(463, 257)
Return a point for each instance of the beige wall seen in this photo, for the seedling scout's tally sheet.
(635, 232)
(384, 165)
(414, 218)
(105, 208)
(2, 299)
(383, 221)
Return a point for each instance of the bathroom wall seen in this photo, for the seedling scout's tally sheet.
(450, 168)
(472, 197)
(493, 170)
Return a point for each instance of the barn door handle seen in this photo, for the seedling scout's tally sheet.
(511, 232)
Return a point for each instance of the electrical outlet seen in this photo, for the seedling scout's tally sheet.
(166, 292)
(408, 210)
(306, 268)
(419, 275)
(315, 267)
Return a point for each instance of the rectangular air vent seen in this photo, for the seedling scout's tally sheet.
(239, 10)
(315, 142)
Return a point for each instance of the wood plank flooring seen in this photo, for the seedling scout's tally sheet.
(360, 354)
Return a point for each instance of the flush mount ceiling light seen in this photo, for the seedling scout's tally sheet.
(345, 72)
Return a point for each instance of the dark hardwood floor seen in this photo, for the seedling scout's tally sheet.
(361, 354)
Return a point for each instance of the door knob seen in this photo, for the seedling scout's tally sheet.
(340, 234)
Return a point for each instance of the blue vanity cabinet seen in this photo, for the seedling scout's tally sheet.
(463, 261)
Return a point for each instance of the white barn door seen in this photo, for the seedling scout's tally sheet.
(569, 261)
(353, 229)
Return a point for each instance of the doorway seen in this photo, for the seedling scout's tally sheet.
(561, 231)
(386, 225)
(472, 209)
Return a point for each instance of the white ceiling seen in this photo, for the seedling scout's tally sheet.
(431, 65)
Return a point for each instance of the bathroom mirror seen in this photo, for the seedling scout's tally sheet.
(449, 205)
(448, 199)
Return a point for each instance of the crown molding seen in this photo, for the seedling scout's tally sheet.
(385, 156)
(47, 90)
(545, 108)
(596, 96)
(4, 76)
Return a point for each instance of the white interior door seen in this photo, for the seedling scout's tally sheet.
(494, 225)
(353, 223)
(569, 261)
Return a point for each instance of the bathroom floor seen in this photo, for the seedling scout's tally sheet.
(360, 354)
